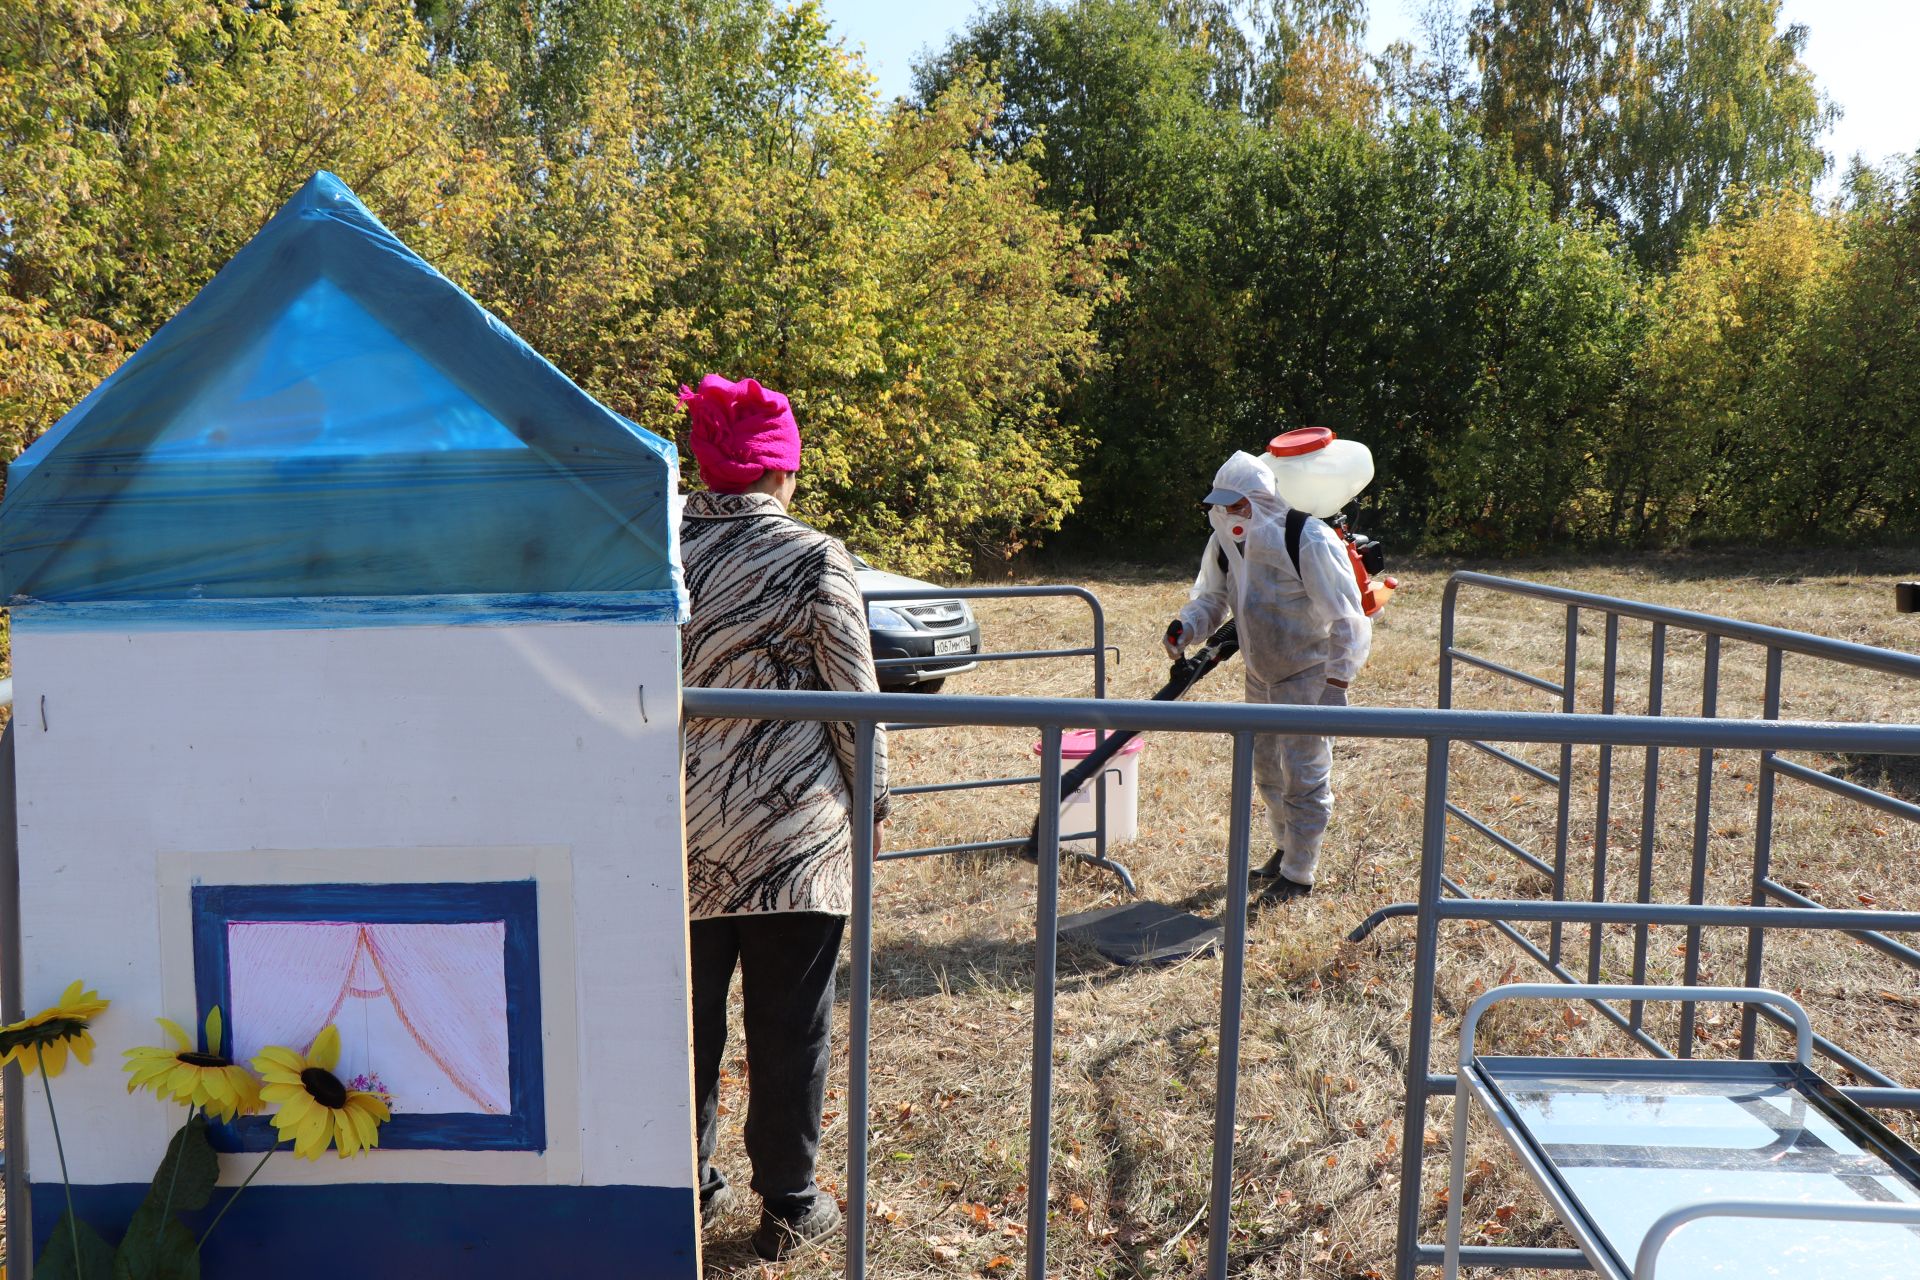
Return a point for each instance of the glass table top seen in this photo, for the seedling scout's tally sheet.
(1632, 1139)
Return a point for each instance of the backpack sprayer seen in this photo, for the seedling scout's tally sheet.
(1368, 558)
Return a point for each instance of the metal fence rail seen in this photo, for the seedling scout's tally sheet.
(1439, 729)
(1772, 905)
(1098, 650)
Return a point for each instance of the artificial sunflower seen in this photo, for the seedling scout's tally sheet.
(42, 1041)
(316, 1110)
(199, 1078)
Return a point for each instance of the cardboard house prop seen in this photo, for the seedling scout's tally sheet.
(346, 666)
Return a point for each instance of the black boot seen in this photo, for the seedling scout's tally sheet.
(1283, 890)
(1269, 872)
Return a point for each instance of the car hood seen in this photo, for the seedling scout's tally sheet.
(880, 580)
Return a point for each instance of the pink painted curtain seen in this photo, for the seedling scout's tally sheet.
(445, 981)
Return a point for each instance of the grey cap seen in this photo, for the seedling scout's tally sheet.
(1222, 497)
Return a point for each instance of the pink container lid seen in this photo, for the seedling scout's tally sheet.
(1078, 744)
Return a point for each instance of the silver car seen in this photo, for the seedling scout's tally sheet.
(939, 635)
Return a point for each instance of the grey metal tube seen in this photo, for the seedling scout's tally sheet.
(1646, 1263)
(884, 664)
(1426, 952)
(1736, 917)
(1891, 1099)
(1603, 790)
(1563, 818)
(980, 784)
(1046, 944)
(1762, 853)
(1343, 722)
(1508, 1257)
(1561, 972)
(1233, 974)
(1878, 941)
(1702, 805)
(1801, 642)
(1501, 669)
(1649, 810)
(1537, 863)
(1531, 770)
(860, 1001)
(1851, 1061)
(1848, 790)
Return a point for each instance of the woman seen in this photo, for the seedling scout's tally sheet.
(769, 803)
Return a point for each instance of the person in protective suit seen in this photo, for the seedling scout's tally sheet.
(1303, 636)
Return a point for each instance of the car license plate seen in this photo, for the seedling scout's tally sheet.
(952, 644)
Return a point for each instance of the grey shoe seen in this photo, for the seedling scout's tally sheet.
(779, 1237)
(716, 1204)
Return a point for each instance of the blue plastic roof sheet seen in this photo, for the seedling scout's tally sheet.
(331, 417)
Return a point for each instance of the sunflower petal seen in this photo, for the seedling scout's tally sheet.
(346, 1137)
(53, 1059)
(325, 1052)
(178, 1032)
(213, 1029)
(280, 1056)
(83, 1048)
(298, 1108)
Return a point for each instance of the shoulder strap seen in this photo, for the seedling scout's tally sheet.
(1296, 522)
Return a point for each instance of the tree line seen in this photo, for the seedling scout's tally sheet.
(1561, 264)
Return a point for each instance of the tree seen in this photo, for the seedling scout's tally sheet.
(1645, 111)
(1697, 453)
(1718, 99)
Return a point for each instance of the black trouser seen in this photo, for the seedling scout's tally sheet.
(787, 963)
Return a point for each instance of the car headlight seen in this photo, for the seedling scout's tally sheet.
(881, 618)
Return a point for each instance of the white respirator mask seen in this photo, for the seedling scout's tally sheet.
(1229, 531)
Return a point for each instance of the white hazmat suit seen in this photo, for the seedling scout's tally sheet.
(1299, 631)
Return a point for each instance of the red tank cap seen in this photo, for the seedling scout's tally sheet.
(1305, 440)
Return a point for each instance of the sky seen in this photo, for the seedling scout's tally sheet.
(1860, 50)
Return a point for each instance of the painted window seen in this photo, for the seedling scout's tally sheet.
(434, 987)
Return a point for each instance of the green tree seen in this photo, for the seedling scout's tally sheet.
(1645, 111)
(1718, 99)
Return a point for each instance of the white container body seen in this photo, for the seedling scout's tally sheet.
(1323, 482)
(1121, 779)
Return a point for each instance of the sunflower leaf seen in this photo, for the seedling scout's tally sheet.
(57, 1261)
(152, 1251)
(199, 1169)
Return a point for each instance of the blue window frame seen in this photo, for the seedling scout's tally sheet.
(514, 903)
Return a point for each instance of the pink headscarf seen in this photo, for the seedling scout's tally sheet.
(739, 430)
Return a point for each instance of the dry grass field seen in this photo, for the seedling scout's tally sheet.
(1326, 1021)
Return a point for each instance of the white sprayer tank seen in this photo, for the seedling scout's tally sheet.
(1316, 471)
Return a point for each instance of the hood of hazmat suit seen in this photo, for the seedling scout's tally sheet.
(1290, 621)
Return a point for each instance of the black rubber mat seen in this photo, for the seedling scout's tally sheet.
(1142, 933)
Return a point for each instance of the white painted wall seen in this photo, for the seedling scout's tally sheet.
(167, 755)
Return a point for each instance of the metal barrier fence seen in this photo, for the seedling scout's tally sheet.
(1439, 729)
(1097, 650)
(1765, 890)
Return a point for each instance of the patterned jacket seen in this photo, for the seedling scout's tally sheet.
(775, 606)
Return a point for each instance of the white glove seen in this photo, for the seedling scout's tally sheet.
(1176, 640)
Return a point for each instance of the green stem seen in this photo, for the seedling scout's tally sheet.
(73, 1219)
(235, 1196)
(179, 1155)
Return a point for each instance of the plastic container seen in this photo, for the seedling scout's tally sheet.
(1316, 471)
(1120, 777)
